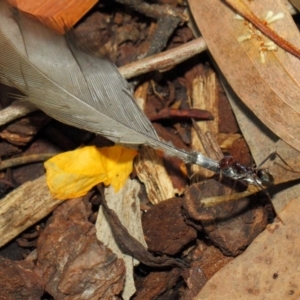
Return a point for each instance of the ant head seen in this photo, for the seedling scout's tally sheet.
(265, 177)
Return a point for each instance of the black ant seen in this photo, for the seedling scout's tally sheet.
(251, 175)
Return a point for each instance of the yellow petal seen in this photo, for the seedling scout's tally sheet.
(119, 165)
(72, 174)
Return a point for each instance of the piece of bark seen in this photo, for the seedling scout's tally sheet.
(241, 153)
(231, 226)
(171, 136)
(58, 16)
(182, 114)
(206, 261)
(164, 227)
(18, 281)
(23, 131)
(156, 284)
(133, 247)
(23, 207)
(151, 171)
(202, 90)
(72, 261)
(195, 280)
(7, 149)
(226, 140)
(211, 259)
(16, 110)
(126, 204)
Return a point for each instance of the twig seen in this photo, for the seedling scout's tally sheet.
(165, 60)
(23, 207)
(27, 159)
(16, 110)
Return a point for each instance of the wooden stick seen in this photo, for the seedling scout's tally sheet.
(165, 60)
(24, 207)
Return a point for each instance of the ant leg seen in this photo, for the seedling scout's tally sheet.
(289, 167)
(273, 207)
(272, 156)
(220, 176)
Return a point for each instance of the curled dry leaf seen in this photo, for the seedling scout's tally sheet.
(131, 246)
(265, 77)
(126, 204)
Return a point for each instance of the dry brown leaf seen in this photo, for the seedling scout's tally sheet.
(271, 89)
(296, 3)
(262, 142)
(266, 270)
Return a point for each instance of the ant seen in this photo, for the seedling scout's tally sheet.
(235, 170)
(251, 175)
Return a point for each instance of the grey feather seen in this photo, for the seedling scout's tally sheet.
(73, 87)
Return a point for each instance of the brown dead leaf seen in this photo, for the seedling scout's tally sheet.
(296, 3)
(271, 89)
(268, 269)
(262, 143)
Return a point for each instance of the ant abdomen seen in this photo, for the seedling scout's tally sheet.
(266, 178)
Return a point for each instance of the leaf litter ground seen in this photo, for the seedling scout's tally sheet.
(60, 257)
